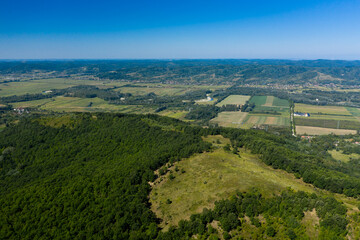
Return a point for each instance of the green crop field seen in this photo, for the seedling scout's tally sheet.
(269, 103)
(327, 123)
(258, 100)
(280, 102)
(234, 99)
(257, 119)
(315, 109)
(230, 119)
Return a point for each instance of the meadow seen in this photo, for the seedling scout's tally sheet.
(339, 155)
(230, 119)
(74, 104)
(178, 114)
(204, 178)
(322, 131)
(38, 86)
(234, 99)
(317, 109)
(164, 89)
(208, 177)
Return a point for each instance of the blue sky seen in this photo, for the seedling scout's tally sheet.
(62, 29)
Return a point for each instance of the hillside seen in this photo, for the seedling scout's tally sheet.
(86, 176)
(102, 176)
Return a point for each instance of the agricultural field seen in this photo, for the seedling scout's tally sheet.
(258, 119)
(322, 131)
(73, 104)
(331, 117)
(327, 123)
(230, 119)
(316, 109)
(269, 110)
(38, 86)
(339, 155)
(234, 99)
(163, 89)
(269, 103)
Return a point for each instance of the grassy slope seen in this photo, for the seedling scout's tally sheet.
(338, 155)
(216, 175)
(212, 176)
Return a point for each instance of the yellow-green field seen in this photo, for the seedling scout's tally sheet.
(178, 114)
(73, 104)
(258, 119)
(164, 89)
(32, 104)
(335, 110)
(322, 131)
(38, 86)
(207, 177)
(230, 119)
(339, 155)
(234, 99)
(264, 105)
(212, 176)
(161, 91)
(247, 120)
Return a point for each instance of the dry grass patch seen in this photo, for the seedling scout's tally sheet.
(230, 119)
(212, 176)
(311, 222)
(339, 155)
(322, 131)
(269, 101)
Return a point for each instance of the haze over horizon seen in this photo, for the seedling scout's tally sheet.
(179, 30)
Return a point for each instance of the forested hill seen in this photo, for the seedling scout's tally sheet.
(216, 71)
(86, 175)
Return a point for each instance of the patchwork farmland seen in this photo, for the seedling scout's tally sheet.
(327, 119)
(268, 110)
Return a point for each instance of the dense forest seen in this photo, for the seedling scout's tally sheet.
(303, 161)
(282, 213)
(86, 176)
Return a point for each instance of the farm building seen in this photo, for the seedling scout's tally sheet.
(300, 114)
